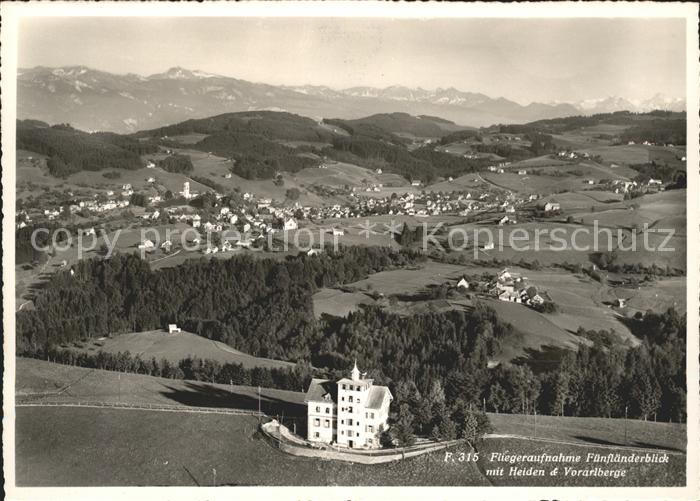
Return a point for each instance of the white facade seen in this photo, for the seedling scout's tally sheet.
(351, 413)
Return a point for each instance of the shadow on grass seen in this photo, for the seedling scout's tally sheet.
(204, 395)
(644, 445)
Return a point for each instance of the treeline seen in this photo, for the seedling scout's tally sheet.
(648, 122)
(181, 164)
(260, 306)
(425, 163)
(268, 124)
(435, 413)
(462, 135)
(71, 150)
(255, 156)
(654, 170)
(191, 368)
(419, 348)
(659, 131)
(645, 382)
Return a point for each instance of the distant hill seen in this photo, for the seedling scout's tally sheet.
(94, 100)
(655, 126)
(70, 150)
(397, 123)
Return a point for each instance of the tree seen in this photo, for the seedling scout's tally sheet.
(497, 399)
(293, 193)
(402, 429)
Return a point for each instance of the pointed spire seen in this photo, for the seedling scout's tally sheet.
(355, 372)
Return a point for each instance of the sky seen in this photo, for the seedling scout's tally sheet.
(525, 60)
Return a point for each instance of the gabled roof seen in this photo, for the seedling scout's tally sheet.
(319, 388)
(376, 397)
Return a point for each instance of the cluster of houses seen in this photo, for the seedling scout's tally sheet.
(623, 186)
(513, 287)
(95, 205)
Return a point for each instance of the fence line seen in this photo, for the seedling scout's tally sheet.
(148, 407)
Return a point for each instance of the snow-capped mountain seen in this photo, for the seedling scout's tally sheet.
(96, 100)
(616, 103)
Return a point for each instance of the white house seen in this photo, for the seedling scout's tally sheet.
(147, 244)
(290, 224)
(415, 183)
(522, 172)
(463, 284)
(551, 206)
(173, 328)
(196, 221)
(352, 412)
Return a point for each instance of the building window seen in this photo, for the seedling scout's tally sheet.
(328, 410)
(327, 423)
(357, 401)
(316, 435)
(342, 432)
(343, 386)
(317, 422)
(371, 415)
(369, 441)
(370, 428)
(350, 409)
(349, 422)
(350, 399)
(342, 398)
(357, 434)
(318, 409)
(342, 421)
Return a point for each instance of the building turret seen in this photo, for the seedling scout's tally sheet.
(355, 374)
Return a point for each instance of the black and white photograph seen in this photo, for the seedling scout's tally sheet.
(253, 246)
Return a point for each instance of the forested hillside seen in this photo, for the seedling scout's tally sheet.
(656, 126)
(264, 307)
(70, 150)
(397, 123)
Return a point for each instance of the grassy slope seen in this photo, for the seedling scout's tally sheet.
(175, 347)
(41, 377)
(68, 446)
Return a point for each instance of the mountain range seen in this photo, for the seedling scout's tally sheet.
(94, 100)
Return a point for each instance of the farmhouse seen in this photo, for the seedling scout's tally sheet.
(550, 206)
(147, 244)
(173, 328)
(351, 413)
(290, 224)
(463, 284)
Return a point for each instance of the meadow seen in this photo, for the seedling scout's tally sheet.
(175, 347)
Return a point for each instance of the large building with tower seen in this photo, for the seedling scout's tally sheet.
(351, 412)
